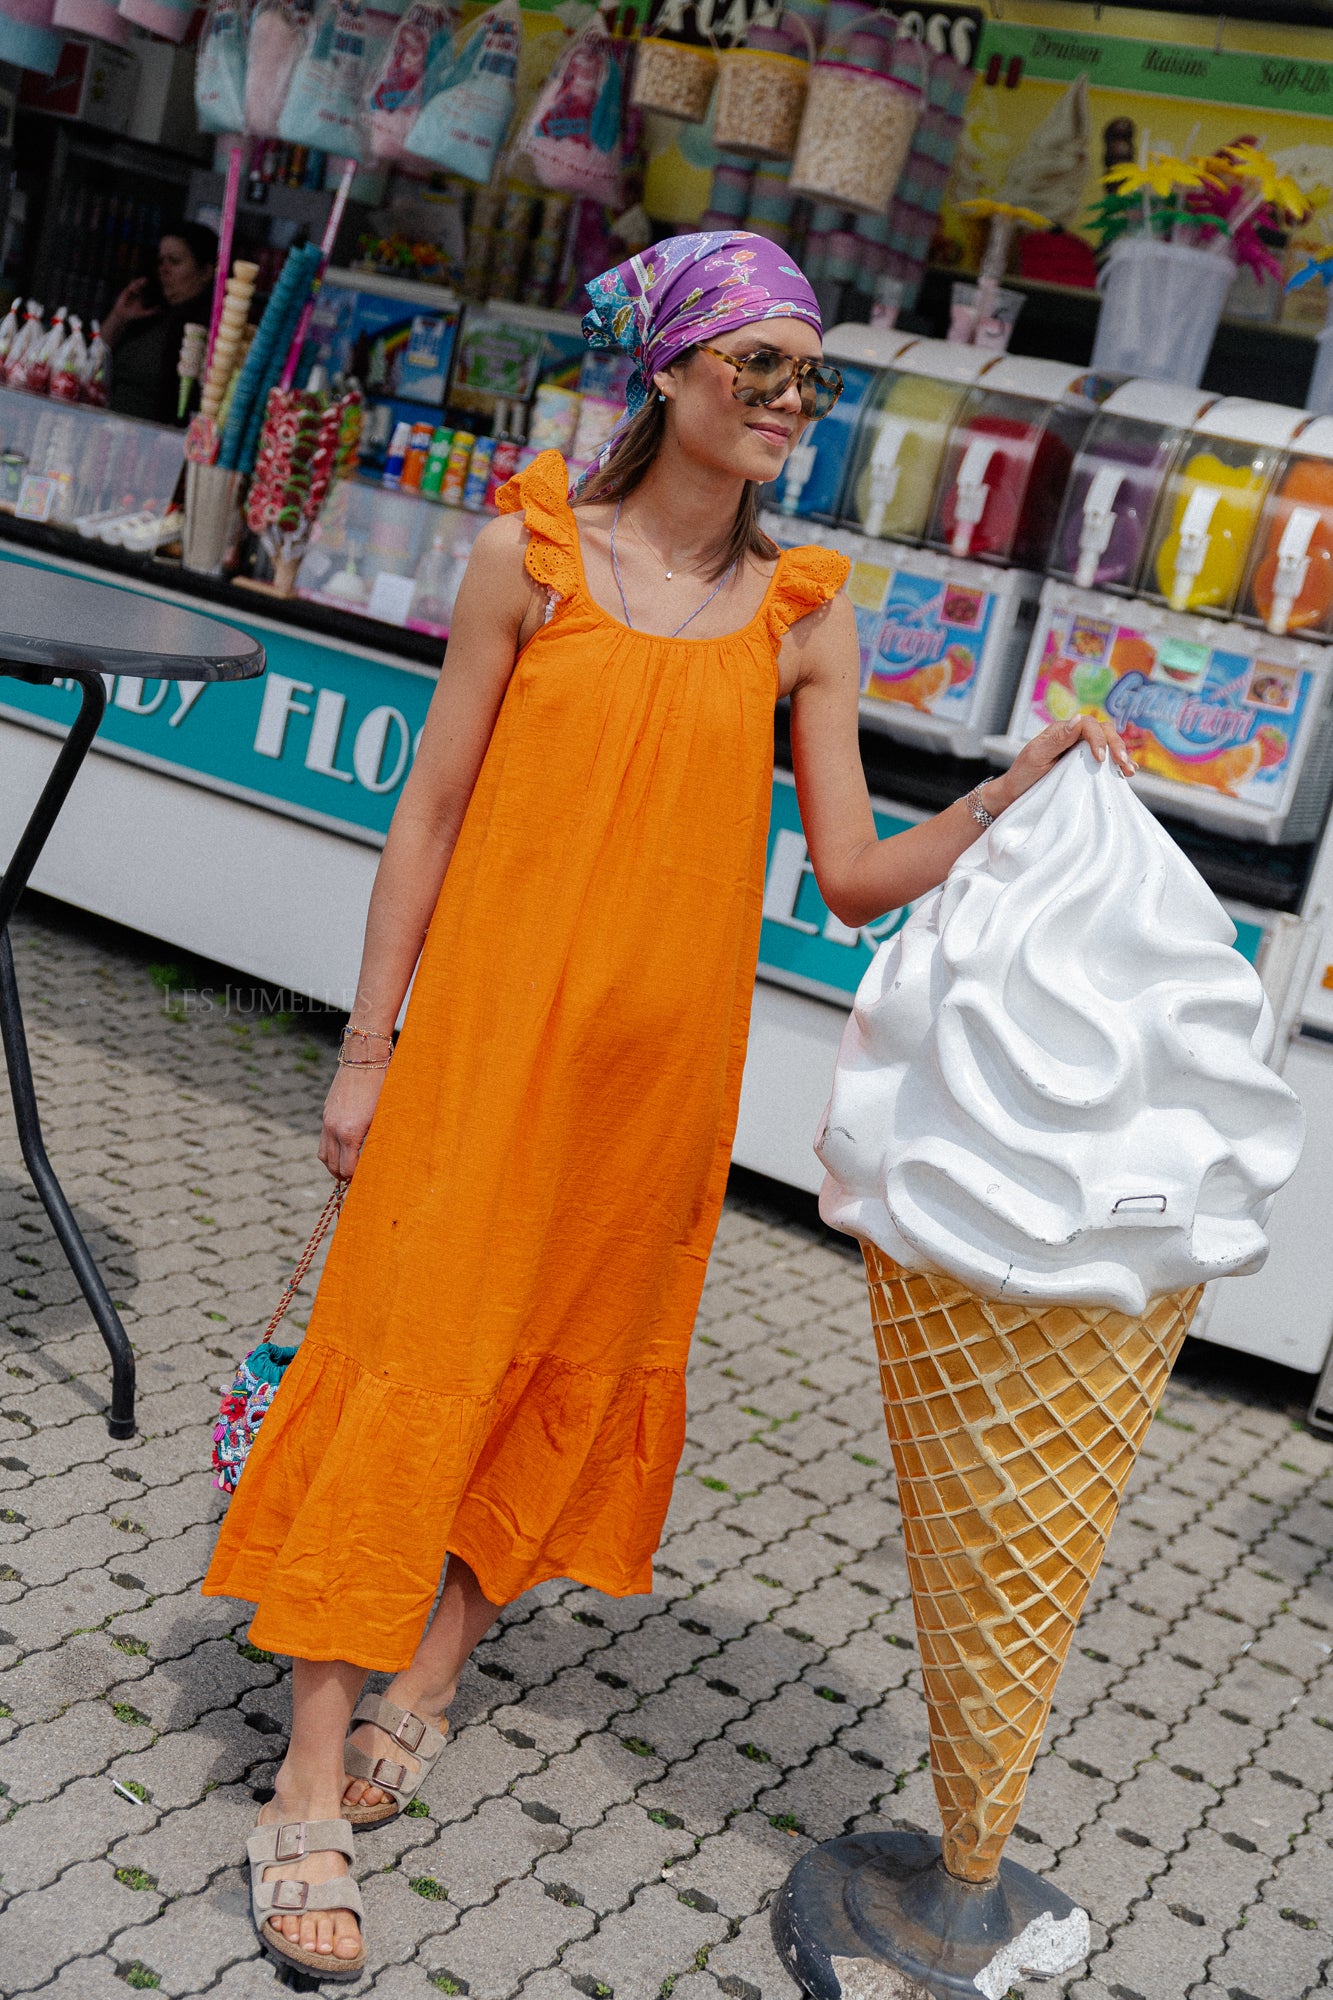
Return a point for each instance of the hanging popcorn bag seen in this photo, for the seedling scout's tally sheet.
(857, 130)
(674, 77)
(323, 105)
(761, 92)
(463, 122)
(573, 133)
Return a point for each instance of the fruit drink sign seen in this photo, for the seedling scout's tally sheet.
(922, 638)
(1194, 713)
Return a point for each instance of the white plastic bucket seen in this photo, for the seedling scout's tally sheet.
(1160, 306)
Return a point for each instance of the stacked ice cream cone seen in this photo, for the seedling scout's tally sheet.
(237, 299)
(1051, 1123)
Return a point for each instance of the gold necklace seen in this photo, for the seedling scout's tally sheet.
(668, 573)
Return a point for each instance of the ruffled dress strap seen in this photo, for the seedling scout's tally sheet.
(541, 494)
(806, 578)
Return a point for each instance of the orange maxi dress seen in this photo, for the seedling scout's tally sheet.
(495, 1359)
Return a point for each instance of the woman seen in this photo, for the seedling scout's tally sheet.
(143, 328)
(493, 1371)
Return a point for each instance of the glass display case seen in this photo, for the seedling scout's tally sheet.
(899, 444)
(1008, 461)
(103, 477)
(1290, 583)
(388, 555)
(1211, 504)
(1132, 444)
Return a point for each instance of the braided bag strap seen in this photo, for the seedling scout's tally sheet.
(332, 1209)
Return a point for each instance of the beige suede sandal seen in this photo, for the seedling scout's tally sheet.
(415, 1735)
(286, 1896)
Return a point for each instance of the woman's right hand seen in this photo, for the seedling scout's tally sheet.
(130, 307)
(348, 1110)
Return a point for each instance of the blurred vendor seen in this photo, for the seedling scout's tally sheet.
(143, 328)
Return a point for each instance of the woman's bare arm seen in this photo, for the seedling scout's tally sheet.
(497, 611)
(860, 876)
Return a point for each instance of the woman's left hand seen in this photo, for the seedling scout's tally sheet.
(1036, 758)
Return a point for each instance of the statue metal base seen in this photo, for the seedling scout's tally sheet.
(874, 1916)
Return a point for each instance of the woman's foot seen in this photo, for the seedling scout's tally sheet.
(331, 1933)
(398, 1749)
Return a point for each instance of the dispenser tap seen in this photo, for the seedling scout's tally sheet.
(885, 472)
(800, 464)
(971, 493)
(1098, 522)
(1293, 565)
(1195, 526)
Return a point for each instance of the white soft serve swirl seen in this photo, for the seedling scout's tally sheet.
(1053, 1083)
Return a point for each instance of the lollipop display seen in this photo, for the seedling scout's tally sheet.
(306, 437)
(1052, 1123)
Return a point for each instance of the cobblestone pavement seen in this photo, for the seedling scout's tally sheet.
(629, 1780)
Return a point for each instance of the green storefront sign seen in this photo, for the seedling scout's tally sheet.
(1163, 69)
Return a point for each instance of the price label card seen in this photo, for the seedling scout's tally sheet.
(391, 598)
(37, 496)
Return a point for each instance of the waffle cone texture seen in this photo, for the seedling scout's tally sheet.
(1014, 1431)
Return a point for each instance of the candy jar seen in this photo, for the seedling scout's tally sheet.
(1008, 462)
(1290, 585)
(1212, 501)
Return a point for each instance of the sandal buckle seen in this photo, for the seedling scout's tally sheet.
(388, 1774)
(410, 1732)
(290, 1843)
(290, 1895)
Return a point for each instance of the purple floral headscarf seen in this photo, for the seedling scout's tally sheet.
(688, 289)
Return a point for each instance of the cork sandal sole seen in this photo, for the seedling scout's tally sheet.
(271, 1844)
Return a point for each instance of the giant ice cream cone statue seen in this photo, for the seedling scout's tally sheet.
(1013, 1435)
(1051, 1123)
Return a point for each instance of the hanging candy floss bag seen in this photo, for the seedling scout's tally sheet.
(463, 121)
(421, 43)
(219, 74)
(574, 131)
(279, 34)
(323, 107)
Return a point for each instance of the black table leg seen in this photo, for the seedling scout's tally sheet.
(120, 1422)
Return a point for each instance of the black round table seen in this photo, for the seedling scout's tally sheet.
(59, 627)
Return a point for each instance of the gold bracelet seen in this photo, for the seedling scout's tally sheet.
(367, 1034)
(362, 1062)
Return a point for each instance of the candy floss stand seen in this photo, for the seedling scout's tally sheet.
(967, 454)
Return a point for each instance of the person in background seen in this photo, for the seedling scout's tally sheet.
(143, 328)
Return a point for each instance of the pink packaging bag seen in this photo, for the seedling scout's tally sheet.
(169, 18)
(97, 18)
(573, 134)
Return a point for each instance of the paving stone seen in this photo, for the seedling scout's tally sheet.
(73, 1917)
(751, 1958)
(1103, 1871)
(473, 1858)
(1263, 1810)
(495, 1945)
(634, 1950)
(1272, 1958)
(741, 1868)
(605, 1864)
(1155, 1952)
(194, 1938)
(82, 1821)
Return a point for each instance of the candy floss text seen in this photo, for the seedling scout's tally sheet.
(1165, 710)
